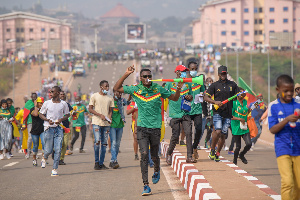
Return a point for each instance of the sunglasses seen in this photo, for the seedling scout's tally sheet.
(147, 76)
(51, 91)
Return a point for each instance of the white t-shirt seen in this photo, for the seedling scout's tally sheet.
(54, 111)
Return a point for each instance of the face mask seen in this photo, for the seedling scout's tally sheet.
(105, 91)
(193, 73)
(3, 108)
(77, 102)
(183, 75)
(116, 97)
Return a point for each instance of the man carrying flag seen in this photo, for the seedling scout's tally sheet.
(27, 122)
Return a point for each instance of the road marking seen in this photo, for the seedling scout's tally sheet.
(114, 72)
(93, 78)
(92, 83)
(94, 73)
(115, 69)
(266, 142)
(113, 77)
(90, 88)
(10, 164)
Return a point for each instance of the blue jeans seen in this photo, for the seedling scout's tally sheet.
(115, 135)
(35, 140)
(259, 128)
(100, 135)
(221, 123)
(53, 138)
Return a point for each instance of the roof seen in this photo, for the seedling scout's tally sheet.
(26, 15)
(119, 12)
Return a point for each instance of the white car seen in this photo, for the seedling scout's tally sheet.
(79, 70)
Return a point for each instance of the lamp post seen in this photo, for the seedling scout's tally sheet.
(95, 27)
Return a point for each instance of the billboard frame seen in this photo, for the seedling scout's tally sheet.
(135, 41)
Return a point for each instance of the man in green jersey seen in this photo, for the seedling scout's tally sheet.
(78, 123)
(147, 96)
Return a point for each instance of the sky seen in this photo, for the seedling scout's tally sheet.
(145, 9)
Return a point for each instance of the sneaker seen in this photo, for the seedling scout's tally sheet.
(71, 148)
(146, 191)
(244, 160)
(54, 172)
(212, 155)
(111, 164)
(115, 165)
(1, 156)
(43, 163)
(7, 156)
(81, 151)
(230, 152)
(103, 167)
(11, 154)
(217, 159)
(69, 152)
(34, 163)
(155, 177)
(226, 148)
(61, 162)
(27, 156)
(182, 143)
(169, 160)
(136, 157)
(97, 166)
(191, 160)
(195, 154)
(198, 147)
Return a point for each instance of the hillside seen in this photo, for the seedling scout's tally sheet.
(280, 63)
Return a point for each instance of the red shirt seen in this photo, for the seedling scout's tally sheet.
(130, 106)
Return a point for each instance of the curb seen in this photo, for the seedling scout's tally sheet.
(193, 181)
(266, 189)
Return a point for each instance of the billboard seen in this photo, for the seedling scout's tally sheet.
(135, 33)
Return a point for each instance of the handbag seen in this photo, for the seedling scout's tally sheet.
(243, 126)
(252, 127)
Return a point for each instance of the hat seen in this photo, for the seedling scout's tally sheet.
(259, 95)
(222, 69)
(40, 100)
(181, 68)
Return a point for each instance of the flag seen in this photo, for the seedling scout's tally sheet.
(28, 105)
(250, 95)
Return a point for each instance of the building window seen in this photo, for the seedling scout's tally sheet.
(22, 39)
(246, 10)
(246, 44)
(260, 21)
(51, 29)
(286, 31)
(223, 44)
(272, 9)
(294, 19)
(31, 39)
(223, 33)
(21, 30)
(246, 32)
(233, 10)
(233, 33)
(272, 21)
(223, 21)
(260, 10)
(43, 29)
(260, 32)
(285, 9)
(31, 30)
(255, 21)
(271, 31)
(8, 30)
(255, 10)
(285, 20)
(17, 30)
(233, 21)
(233, 44)
(17, 39)
(43, 39)
(255, 32)
(223, 10)
(246, 21)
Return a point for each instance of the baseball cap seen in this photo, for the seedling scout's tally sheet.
(222, 69)
(40, 100)
(259, 94)
(181, 68)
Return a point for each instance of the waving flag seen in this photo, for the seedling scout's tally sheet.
(28, 105)
(250, 96)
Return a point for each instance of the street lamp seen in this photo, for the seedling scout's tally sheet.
(95, 27)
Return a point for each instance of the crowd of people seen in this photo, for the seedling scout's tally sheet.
(217, 106)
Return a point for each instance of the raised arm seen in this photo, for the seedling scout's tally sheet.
(119, 84)
(175, 97)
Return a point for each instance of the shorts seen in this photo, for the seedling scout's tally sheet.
(221, 123)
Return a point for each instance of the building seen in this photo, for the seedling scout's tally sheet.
(240, 23)
(34, 34)
(117, 15)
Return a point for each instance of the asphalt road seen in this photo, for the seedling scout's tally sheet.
(78, 180)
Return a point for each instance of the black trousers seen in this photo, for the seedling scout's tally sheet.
(146, 137)
(76, 136)
(198, 126)
(237, 139)
(187, 127)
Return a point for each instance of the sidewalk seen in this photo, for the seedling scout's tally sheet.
(21, 86)
(226, 179)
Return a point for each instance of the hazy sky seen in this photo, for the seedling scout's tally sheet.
(145, 9)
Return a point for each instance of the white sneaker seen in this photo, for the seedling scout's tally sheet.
(7, 156)
(43, 163)
(226, 148)
(34, 163)
(27, 156)
(54, 172)
(21, 151)
(1, 156)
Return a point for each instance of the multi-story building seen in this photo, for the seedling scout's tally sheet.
(33, 34)
(241, 23)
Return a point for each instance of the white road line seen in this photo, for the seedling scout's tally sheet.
(10, 164)
(90, 88)
(93, 78)
(115, 69)
(113, 77)
(114, 72)
(94, 73)
(92, 83)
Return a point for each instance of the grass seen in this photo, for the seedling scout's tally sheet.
(6, 72)
(280, 63)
